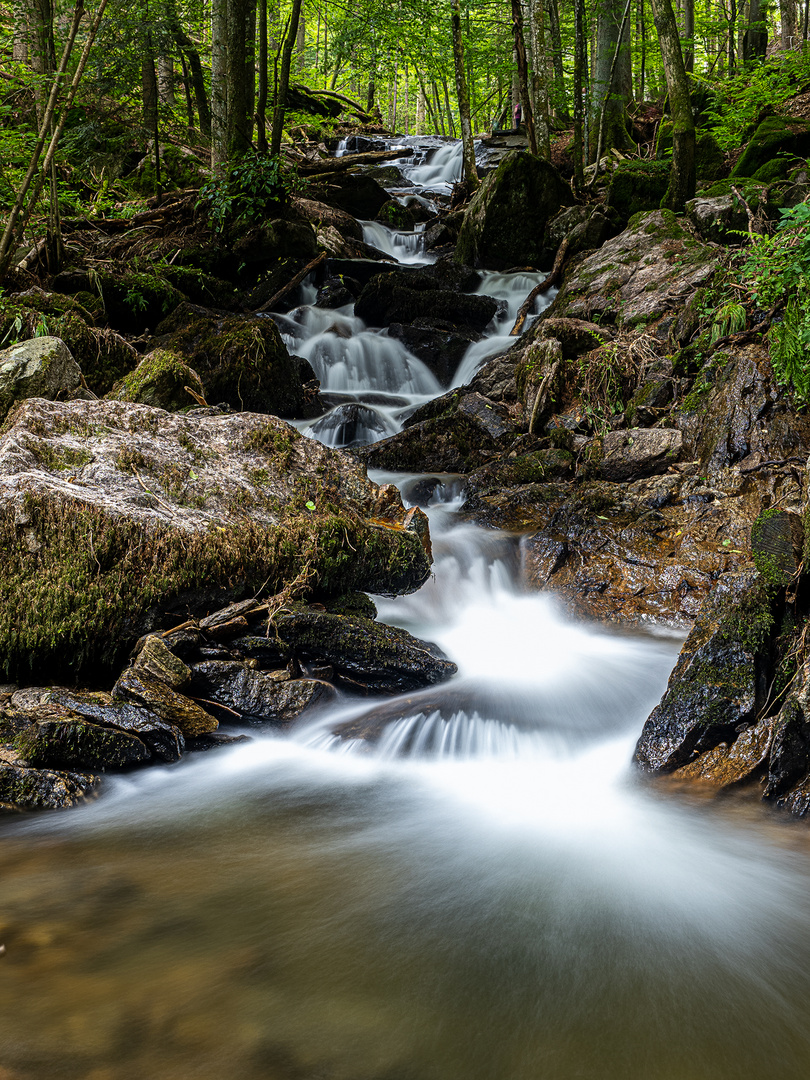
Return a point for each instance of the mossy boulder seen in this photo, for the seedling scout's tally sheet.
(709, 158)
(505, 222)
(136, 300)
(775, 135)
(636, 186)
(40, 367)
(396, 215)
(241, 361)
(649, 270)
(162, 379)
(168, 515)
(718, 682)
(402, 297)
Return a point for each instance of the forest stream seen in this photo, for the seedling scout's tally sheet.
(482, 889)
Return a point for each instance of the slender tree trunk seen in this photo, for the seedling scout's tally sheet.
(19, 48)
(682, 174)
(187, 95)
(451, 121)
(732, 30)
(642, 34)
(560, 104)
(165, 77)
(284, 78)
(523, 74)
(189, 50)
(689, 36)
(606, 100)
(580, 67)
(468, 147)
(261, 102)
(421, 110)
(237, 127)
(438, 104)
(540, 78)
(756, 34)
(219, 84)
(250, 68)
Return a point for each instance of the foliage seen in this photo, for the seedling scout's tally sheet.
(778, 271)
(251, 189)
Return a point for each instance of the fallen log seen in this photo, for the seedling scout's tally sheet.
(351, 161)
(291, 284)
(546, 283)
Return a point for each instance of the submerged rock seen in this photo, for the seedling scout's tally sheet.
(114, 516)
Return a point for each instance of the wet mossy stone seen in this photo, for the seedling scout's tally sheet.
(636, 186)
(381, 658)
(505, 222)
(40, 367)
(718, 682)
(136, 300)
(241, 360)
(162, 379)
(402, 298)
(60, 739)
(777, 540)
(396, 215)
(24, 788)
(260, 697)
(139, 688)
(358, 194)
(709, 158)
(168, 515)
(775, 135)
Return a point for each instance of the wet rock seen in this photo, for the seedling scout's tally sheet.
(181, 712)
(727, 766)
(378, 658)
(777, 545)
(157, 661)
(435, 342)
(59, 738)
(23, 788)
(162, 379)
(335, 293)
(576, 336)
(320, 214)
(506, 219)
(259, 246)
(163, 514)
(635, 453)
(357, 194)
(163, 740)
(650, 269)
(351, 425)
(461, 432)
(718, 683)
(241, 361)
(257, 696)
(397, 298)
(40, 367)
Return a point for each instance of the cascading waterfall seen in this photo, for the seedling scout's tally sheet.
(463, 883)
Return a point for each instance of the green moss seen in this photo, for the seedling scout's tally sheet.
(97, 583)
(637, 186)
(59, 458)
(278, 445)
(160, 380)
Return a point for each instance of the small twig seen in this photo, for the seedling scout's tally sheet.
(197, 397)
(216, 704)
(148, 492)
(299, 277)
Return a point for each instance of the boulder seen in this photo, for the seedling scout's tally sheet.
(505, 222)
(140, 689)
(717, 685)
(401, 297)
(23, 788)
(436, 343)
(585, 227)
(775, 135)
(635, 453)
(648, 271)
(165, 515)
(357, 194)
(257, 696)
(637, 186)
(161, 379)
(382, 659)
(720, 220)
(59, 738)
(319, 214)
(241, 361)
(40, 367)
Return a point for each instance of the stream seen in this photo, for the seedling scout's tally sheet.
(483, 891)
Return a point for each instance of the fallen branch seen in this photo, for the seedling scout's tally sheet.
(299, 277)
(33, 255)
(526, 306)
(542, 392)
(351, 161)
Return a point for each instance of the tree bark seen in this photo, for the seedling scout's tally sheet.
(219, 84)
(789, 24)
(580, 66)
(559, 102)
(523, 74)
(611, 94)
(682, 174)
(283, 86)
(237, 127)
(756, 34)
(540, 78)
(468, 147)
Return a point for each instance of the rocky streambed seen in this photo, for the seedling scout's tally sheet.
(629, 452)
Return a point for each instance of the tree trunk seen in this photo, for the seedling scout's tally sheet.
(421, 111)
(756, 34)
(468, 147)
(682, 174)
(642, 47)
(611, 95)
(261, 102)
(219, 84)
(789, 24)
(689, 36)
(19, 48)
(523, 74)
(580, 67)
(451, 122)
(540, 78)
(165, 77)
(560, 104)
(237, 128)
(188, 49)
(284, 78)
